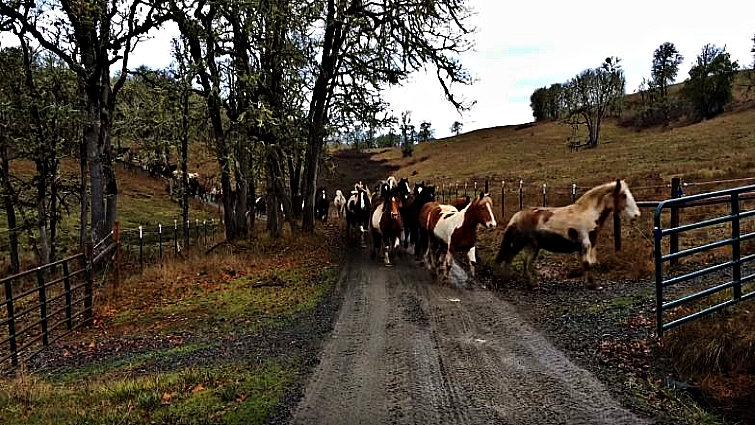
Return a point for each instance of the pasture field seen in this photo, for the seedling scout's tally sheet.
(714, 355)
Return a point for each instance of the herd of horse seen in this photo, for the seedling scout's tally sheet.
(394, 212)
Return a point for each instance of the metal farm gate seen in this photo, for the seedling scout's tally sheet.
(723, 275)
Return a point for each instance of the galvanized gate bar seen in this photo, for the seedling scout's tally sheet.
(734, 217)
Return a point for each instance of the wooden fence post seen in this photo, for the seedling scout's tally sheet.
(521, 194)
(544, 203)
(160, 238)
(676, 192)
(475, 189)
(175, 238)
(616, 232)
(204, 224)
(503, 199)
(465, 189)
(141, 247)
(573, 193)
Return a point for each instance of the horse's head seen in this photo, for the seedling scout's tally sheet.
(363, 201)
(481, 210)
(428, 194)
(624, 202)
(338, 193)
(403, 189)
(392, 205)
(384, 189)
(418, 188)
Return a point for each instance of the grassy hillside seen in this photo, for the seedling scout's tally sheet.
(142, 201)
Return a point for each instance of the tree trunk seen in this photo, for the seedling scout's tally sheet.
(185, 164)
(273, 205)
(251, 195)
(10, 209)
(311, 170)
(242, 189)
(54, 208)
(44, 247)
(83, 192)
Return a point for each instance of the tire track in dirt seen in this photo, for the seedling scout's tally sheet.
(406, 350)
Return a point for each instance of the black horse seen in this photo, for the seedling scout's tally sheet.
(322, 204)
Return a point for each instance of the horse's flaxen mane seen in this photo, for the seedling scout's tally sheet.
(594, 197)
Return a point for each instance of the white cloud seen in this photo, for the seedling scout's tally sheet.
(527, 45)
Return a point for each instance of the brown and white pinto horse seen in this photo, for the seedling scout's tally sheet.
(386, 225)
(451, 231)
(569, 229)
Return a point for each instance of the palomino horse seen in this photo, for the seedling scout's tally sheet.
(569, 229)
(358, 209)
(386, 225)
(454, 231)
(340, 203)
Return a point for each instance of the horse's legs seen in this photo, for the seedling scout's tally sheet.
(472, 261)
(587, 255)
(530, 254)
(387, 250)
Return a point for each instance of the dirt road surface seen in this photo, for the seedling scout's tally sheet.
(406, 350)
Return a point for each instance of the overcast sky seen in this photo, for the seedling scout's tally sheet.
(532, 44)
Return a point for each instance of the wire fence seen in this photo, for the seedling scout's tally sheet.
(152, 244)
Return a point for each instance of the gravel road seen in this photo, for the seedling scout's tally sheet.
(406, 350)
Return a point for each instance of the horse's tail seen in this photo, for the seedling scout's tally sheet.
(507, 244)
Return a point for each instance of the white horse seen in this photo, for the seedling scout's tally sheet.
(340, 203)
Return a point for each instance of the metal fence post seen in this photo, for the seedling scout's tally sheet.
(544, 203)
(42, 304)
(11, 322)
(88, 290)
(475, 189)
(160, 238)
(736, 272)
(676, 192)
(67, 288)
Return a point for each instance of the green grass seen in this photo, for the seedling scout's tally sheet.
(124, 366)
(239, 304)
(236, 394)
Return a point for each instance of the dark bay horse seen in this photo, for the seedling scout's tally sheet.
(386, 226)
(410, 213)
(358, 208)
(451, 231)
(570, 229)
